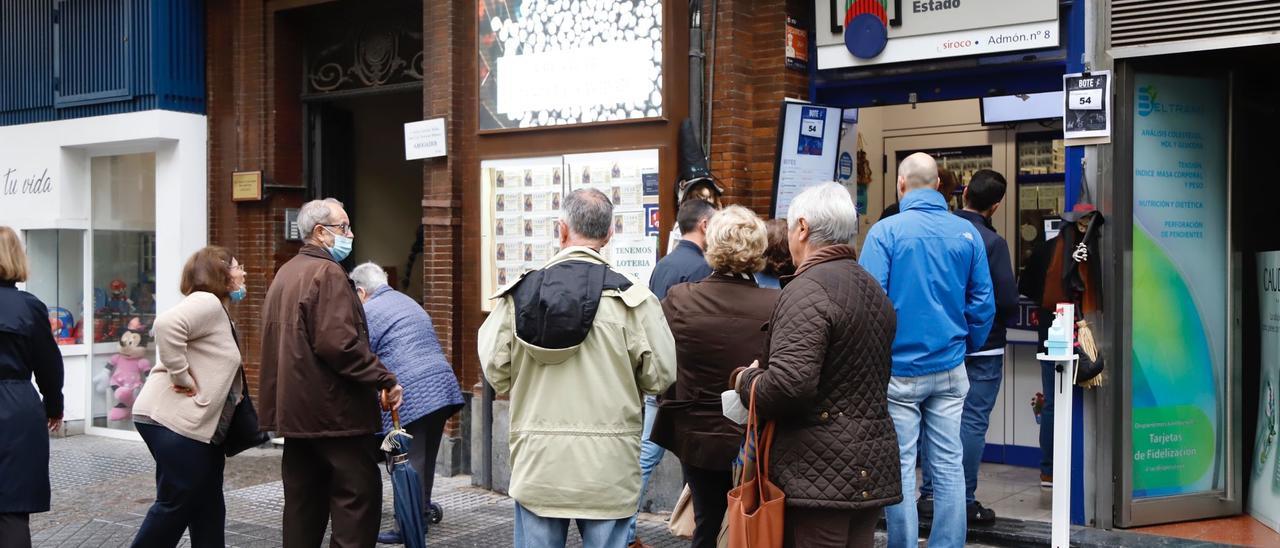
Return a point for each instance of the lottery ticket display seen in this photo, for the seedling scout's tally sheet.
(524, 197)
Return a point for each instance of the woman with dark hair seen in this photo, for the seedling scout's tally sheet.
(186, 406)
(27, 349)
(777, 256)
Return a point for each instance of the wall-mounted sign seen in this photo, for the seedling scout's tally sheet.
(797, 45)
(1086, 110)
(291, 232)
(853, 33)
(424, 139)
(1264, 482)
(246, 186)
(808, 145)
(549, 64)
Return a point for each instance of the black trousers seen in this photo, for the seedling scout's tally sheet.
(812, 528)
(15, 530)
(188, 491)
(709, 490)
(334, 478)
(426, 433)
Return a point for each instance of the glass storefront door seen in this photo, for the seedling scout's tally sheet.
(1179, 427)
(123, 255)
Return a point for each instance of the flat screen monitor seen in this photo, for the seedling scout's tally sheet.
(1006, 109)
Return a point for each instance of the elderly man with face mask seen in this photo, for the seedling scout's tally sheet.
(401, 334)
(320, 387)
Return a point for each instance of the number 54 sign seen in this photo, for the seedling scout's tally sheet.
(1086, 115)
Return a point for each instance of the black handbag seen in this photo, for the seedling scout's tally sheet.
(243, 432)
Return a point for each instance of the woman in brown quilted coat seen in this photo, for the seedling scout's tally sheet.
(717, 324)
(825, 382)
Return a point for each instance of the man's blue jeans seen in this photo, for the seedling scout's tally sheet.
(934, 402)
(984, 374)
(650, 456)
(534, 531)
(1047, 374)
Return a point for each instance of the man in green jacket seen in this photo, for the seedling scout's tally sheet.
(577, 345)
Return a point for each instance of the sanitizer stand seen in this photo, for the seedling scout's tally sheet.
(1061, 350)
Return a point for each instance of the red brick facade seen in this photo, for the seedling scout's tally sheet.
(256, 116)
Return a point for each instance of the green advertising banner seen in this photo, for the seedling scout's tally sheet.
(1264, 485)
(1179, 284)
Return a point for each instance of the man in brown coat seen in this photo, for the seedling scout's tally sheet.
(320, 388)
(826, 382)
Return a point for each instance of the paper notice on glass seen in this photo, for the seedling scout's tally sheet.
(807, 154)
(634, 256)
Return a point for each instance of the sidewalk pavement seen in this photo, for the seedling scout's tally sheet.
(102, 488)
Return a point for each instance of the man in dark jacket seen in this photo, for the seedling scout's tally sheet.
(835, 451)
(985, 367)
(320, 387)
(685, 263)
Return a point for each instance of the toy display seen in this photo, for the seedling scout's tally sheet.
(64, 325)
(128, 370)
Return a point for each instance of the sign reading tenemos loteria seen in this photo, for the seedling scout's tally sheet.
(853, 33)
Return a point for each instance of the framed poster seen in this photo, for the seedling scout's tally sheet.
(808, 148)
(543, 64)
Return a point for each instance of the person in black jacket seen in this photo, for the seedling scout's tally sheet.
(985, 367)
(26, 348)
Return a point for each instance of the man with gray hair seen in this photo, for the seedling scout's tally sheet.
(934, 267)
(401, 334)
(576, 344)
(824, 382)
(320, 386)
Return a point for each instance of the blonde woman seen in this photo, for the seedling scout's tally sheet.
(186, 406)
(717, 324)
(27, 349)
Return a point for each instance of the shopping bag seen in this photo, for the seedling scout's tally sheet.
(756, 505)
(681, 523)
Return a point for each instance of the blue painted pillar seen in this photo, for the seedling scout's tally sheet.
(1074, 177)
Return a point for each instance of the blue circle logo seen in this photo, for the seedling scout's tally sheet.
(866, 35)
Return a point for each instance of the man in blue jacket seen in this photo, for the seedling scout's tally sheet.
(982, 197)
(934, 267)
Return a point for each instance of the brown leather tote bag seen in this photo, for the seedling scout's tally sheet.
(756, 505)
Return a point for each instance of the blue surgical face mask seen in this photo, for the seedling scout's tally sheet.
(238, 295)
(341, 246)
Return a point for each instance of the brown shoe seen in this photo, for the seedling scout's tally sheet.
(1046, 481)
(638, 544)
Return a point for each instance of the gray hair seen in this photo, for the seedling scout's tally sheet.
(828, 210)
(315, 212)
(919, 170)
(369, 277)
(589, 213)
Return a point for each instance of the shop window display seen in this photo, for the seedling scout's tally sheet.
(1040, 187)
(124, 274)
(57, 277)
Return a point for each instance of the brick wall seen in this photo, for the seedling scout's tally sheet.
(256, 120)
(747, 88)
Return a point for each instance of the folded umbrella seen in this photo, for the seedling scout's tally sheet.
(406, 485)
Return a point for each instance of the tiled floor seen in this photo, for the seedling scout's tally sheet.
(1239, 530)
(1012, 492)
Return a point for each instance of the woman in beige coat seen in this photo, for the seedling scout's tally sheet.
(186, 406)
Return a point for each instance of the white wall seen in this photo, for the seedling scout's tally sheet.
(62, 153)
